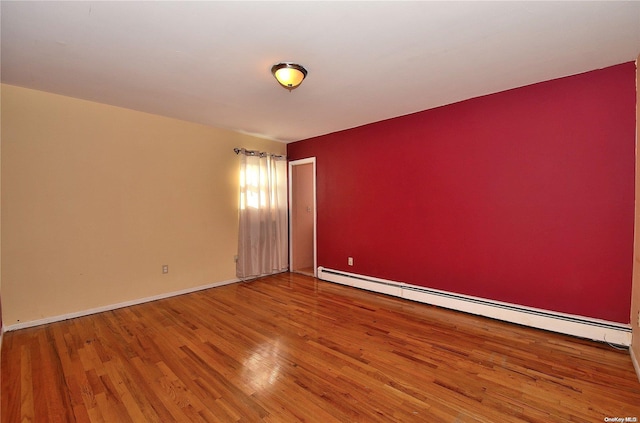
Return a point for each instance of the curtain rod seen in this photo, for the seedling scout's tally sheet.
(257, 153)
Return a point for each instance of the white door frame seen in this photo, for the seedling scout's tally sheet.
(293, 163)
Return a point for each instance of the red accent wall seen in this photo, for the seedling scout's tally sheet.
(524, 196)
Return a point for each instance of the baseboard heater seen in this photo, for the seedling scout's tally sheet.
(584, 327)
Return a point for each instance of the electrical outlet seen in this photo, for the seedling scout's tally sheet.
(350, 261)
(165, 268)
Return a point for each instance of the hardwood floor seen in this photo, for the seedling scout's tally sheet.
(291, 348)
(305, 271)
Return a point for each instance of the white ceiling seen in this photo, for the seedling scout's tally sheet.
(209, 62)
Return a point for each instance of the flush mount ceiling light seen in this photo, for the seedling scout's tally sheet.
(289, 75)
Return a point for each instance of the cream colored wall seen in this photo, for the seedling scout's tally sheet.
(95, 199)
(1, 313)
(302, 217)
(635, 294)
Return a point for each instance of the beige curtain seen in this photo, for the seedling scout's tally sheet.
(263, 231)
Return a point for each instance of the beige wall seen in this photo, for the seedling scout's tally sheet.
(95, 199)
(635, 294)
(1, 314)
(302, 216)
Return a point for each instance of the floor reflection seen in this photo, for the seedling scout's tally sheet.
(262, 368)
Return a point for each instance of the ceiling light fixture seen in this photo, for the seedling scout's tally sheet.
(289, 75)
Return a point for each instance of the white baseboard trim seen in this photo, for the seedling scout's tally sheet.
(635, 361)
(584, 327)
(46, 320)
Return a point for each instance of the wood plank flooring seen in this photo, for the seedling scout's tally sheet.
(291, 348)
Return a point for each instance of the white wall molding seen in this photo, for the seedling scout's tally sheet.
(46, 320)
(584, 327)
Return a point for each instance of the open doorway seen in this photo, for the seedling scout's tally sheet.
(302, 216)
